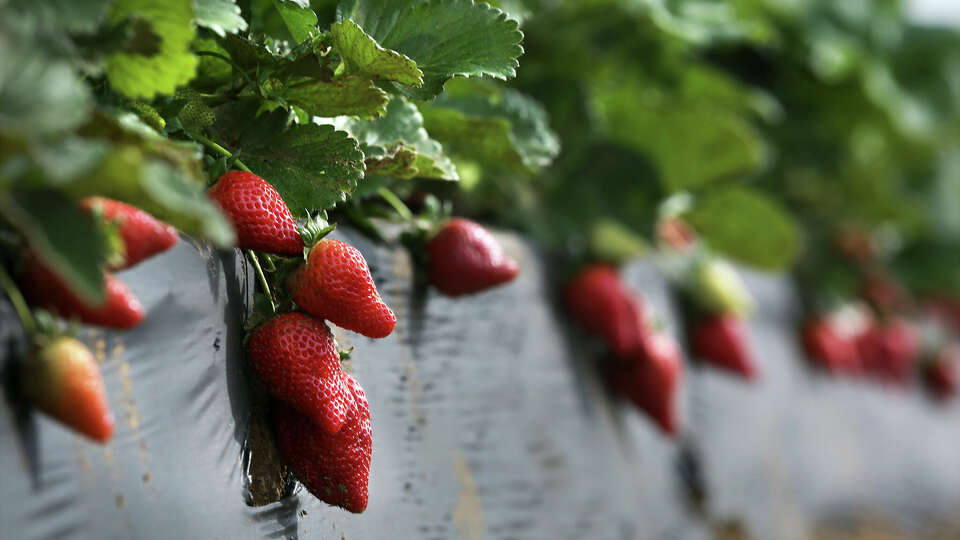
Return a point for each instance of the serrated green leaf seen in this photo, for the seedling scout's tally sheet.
(446, 38)
(39, 95)
(350, 95)
(299, 19)
(748, 226)
(139, 76)
(397, 145)
(65, 238)
(221, 16)
(313, 167)
(500, 127)
(362, 54)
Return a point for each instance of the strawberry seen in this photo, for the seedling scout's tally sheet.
(335, 284)
(602, 304)
(43, 288)
(833, 351)
(62, 380)
(887, 350)
(335, 467)
(261, 218)
(297, 360)
(143, 235)
(940, 375)
(465, 258)
(721, 341)
(650, 378)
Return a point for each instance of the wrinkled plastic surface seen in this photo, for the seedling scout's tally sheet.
(488, 422)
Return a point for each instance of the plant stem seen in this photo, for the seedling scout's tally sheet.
(211, 144)
(19, 304)
(263, 278)
(396, 203)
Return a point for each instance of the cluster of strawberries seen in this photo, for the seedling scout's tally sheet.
(321, 420)
(60, 377)
(883, 333)
(646, 364)
(857, 341)
(321, 417)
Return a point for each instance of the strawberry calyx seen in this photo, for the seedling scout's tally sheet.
(314, 230)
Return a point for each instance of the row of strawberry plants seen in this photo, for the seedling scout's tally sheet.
(156, 101)
(756, 132)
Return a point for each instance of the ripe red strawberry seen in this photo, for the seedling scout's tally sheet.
(650, 379)
(298, 362)
(335, 284)
(334, 467)
(43, 288)
(602, 304)
(940, 376)
(143, 235)
(62, 380)
(721, 341)
(888, 350)
(833, 351)
(464, 258)
(261, 218)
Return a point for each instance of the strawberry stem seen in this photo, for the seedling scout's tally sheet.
(396, 203)
(19, 304)
(263, 278)
(212, 145)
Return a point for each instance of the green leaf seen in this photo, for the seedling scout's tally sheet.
(362, 54)
(500, 127)
(397, 145)
(299, 19)
(314, 167)
(221, 16)
(65, 238)
(136, 75)
(693, 142)
(349, 95)
(748, 226)
(145, 169)
(446, 38)
(39, 95)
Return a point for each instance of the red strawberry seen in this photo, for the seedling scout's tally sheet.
(298, 362)
(62, 380)
(335, 284)
(465, 258)
(721, 341)
(940, 376)
(43, 288)
(650, 379)
(888, 350)
(829, 348)
(334, 467)
(261, 218)
(602, 304)
(143, 235)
